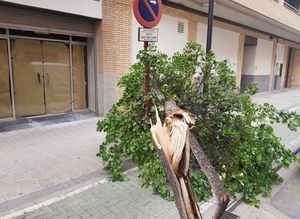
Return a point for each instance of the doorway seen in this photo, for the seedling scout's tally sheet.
(249, 56)
(277, 76)
(41, 73)
(293, 71)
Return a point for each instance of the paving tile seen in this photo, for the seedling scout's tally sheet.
(44, 158)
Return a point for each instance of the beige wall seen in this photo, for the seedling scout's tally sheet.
(273, 9)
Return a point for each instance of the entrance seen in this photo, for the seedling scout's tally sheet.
(277, 76)
(293, 71)
(41, 76)
(248, 68)
(42, 80)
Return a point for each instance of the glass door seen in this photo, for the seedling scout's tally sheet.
(5, 97)
(28, 77)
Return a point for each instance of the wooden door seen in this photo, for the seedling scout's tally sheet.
(79, 77)
(28, 77)
(5, 98)
(57, 77)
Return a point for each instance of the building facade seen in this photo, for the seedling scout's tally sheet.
(47, 56)
(64, 56)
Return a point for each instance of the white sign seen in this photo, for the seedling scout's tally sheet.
(148, 35)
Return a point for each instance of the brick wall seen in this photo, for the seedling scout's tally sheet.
(115, 34)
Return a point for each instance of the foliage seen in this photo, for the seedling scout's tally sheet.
(236, 134)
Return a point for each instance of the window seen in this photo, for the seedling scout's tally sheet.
(293, 5)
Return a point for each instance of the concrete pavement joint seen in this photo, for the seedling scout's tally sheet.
(59, 198)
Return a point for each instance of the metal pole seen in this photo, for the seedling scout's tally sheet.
(210, 25)
(147, 82)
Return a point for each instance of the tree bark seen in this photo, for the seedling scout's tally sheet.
(174, 141)
(172, 178)
(171, 139)
(178, 183)
(213, 178)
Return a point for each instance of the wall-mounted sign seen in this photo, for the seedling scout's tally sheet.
(147, 12)
(148, 35)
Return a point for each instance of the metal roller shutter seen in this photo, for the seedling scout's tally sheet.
(44, 21)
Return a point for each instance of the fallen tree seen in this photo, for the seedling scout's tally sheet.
(174, 143)
(235, 134)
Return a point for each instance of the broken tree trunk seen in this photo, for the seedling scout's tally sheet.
(212, 176)
(174, 182)
(174, 141)
(171, 139)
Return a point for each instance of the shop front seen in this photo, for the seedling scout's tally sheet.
(45, 67)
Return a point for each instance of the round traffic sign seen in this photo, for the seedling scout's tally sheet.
(147, 12)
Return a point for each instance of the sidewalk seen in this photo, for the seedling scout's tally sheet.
(43, 162)
(287, 99)
(107, 200)
(56, 167)
(110, 200)
(284, 202)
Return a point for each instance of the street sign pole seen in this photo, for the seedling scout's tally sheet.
(148, 13)
(147, 82)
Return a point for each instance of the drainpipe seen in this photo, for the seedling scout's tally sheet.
(210, 25)
(209, 39)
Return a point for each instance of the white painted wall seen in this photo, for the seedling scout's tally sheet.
(263, 59)
(87, 8)
(225, 43)
(249, 60)
(280, 53)
(169, 40)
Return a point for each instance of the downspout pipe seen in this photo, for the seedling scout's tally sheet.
(210, 25)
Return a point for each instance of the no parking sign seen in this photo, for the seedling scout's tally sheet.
(147, 12)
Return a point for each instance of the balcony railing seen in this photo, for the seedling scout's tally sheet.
(292, 8)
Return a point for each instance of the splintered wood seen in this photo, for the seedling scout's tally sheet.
(174, 143)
